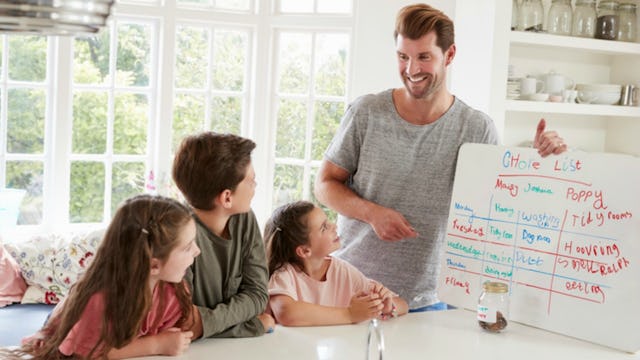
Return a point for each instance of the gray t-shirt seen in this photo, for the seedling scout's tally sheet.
(409, 168)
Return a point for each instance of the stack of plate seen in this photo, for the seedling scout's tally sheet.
(605, 94)
(513, 88)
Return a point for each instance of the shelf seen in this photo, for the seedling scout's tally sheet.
(576, 109)
(574, 43)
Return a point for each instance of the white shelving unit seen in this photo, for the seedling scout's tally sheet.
(597, 128)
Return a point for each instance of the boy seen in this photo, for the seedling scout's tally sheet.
(229, 279)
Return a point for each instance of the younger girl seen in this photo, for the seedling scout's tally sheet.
(307, 286)
(132, 300)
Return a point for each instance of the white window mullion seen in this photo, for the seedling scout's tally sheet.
(165, 75)
(58, 164)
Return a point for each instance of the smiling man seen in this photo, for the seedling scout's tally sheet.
(389, 170)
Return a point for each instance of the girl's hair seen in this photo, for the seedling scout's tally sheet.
(284, 232)
(144, 227)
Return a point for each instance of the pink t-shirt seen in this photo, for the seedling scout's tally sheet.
(343, 281)
(85, 333)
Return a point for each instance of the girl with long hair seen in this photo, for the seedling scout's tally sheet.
(132, 300)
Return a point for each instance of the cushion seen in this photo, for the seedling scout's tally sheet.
(50, 264)
(12, 285)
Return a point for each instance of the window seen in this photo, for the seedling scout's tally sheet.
(98, 121)
(25, 105)
(310, 99)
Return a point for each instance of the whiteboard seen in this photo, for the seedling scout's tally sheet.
(561, 231)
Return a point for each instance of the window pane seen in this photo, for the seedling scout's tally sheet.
(134, 53)
(28, 58)
(27, 175)
(331, 59)
(233, 4)
(290, 137)
(296, 6)
(188, 116)
(334, 6)
(192, 49)
(287, 184)
(226, 115)
(91, 58)
(127, 180)
(230, 50)
(25, 127)
(87, 192)
(295, 55)
(89, 123)
(130, 124)
(327, 120)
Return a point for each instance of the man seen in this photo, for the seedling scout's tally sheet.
(389, 170)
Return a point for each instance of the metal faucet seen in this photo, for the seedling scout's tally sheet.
(375, 328)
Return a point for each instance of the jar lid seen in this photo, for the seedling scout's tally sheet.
(628, 6)
(495, 287)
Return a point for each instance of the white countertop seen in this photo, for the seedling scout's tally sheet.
(452, 334)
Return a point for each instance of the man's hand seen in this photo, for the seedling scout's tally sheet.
(390, 225)
(548, 142)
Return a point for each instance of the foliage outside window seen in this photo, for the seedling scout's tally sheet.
(85, 122)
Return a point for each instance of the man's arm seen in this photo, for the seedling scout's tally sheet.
(331, 190)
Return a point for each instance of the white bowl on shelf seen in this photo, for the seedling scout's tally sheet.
(598, 97)
(599, 87)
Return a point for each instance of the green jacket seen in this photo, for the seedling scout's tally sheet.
(229, 279)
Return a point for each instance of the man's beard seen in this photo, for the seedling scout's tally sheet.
(428, 88)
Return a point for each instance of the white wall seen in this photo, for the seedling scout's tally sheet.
(374, 56)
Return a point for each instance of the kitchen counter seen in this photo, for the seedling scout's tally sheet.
(452, 334)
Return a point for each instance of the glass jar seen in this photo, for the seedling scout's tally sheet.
(559, 17)
(608, 20)
(493, 306)
(584, 19)
(531, 16)
(628, 29)
(514, 14)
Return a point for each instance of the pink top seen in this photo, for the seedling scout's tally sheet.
(85, 333)
(343, 281)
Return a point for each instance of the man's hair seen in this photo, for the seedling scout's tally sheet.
(415, 21)
(208, 163)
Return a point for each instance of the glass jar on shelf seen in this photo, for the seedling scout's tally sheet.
(628, 29)
(607, 21)
(531, 16)
(514, 14)
(493, 306)
(584, 19)
(559, 17)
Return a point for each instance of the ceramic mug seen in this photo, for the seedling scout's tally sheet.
(530, 85)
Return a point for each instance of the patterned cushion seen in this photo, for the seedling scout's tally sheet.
(50, 264)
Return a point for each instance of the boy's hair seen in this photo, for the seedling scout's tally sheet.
(415, 21)
(144, 227)
(208, 163)
(284, 232)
